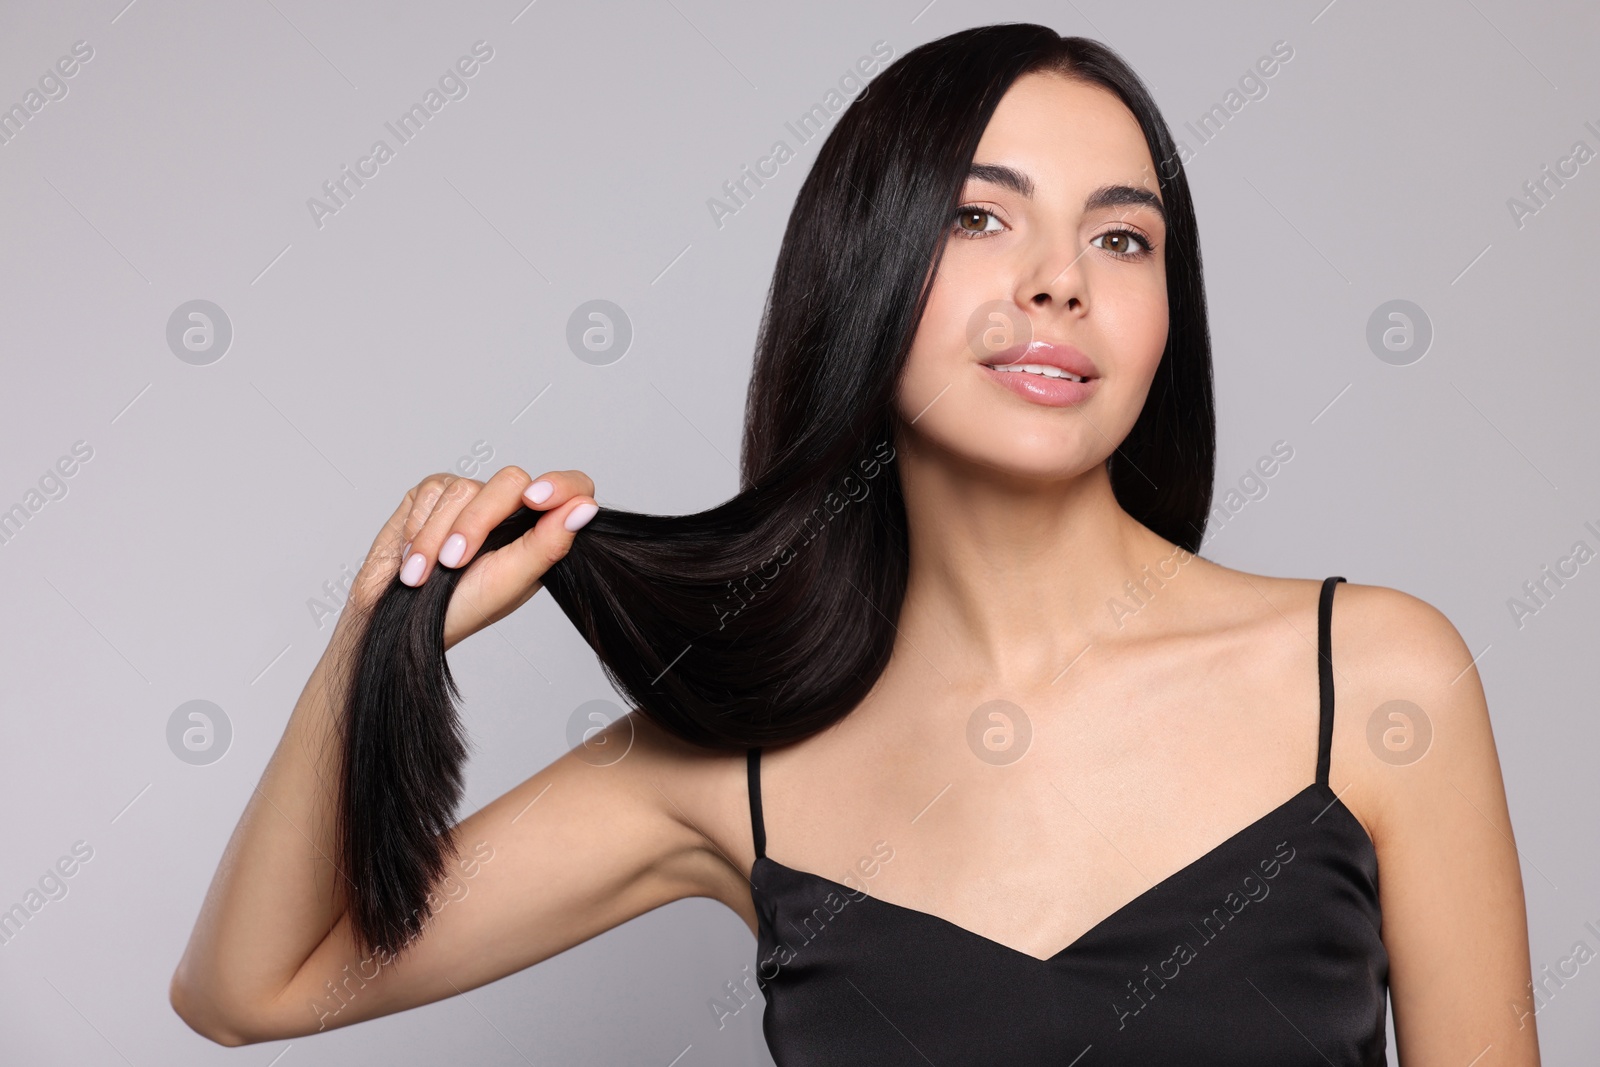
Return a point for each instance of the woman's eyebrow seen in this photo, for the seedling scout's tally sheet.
(1002, 175)
(1103, 197)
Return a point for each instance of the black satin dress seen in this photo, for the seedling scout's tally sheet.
(1264, 951)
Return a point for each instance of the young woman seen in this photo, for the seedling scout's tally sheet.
(943, 703)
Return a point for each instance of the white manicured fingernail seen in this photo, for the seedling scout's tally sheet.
(581, 515)
(404, 550)
(455, 546)
(411, 573)
(538, 492)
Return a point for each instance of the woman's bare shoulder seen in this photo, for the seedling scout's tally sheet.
(1406, 694)
(1411, 681)
(1366, 619)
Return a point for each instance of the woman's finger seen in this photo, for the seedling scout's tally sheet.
(443, 508)
(500, 498)
(554, 488)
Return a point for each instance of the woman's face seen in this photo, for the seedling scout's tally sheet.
(1052, 258)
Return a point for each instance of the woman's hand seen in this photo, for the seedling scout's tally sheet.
(444, 521)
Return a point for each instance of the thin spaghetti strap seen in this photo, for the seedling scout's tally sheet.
(1325, 677)
(758, 828)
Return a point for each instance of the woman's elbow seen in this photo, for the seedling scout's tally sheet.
(202, 1015)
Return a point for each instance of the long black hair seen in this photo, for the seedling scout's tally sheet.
(767, 618)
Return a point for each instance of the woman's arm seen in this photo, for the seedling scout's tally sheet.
(573, 851)
(1450, 883)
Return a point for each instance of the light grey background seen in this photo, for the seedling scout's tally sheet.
(430, 314)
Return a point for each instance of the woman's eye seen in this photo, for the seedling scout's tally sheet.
(1120, 243)
(971, 221)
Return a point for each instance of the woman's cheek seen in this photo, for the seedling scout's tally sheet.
(1138, 331)
(920, 384)
(940, 346)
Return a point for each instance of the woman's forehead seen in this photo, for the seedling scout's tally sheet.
(1058, 133)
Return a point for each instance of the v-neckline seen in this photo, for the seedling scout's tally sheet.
(854, 895)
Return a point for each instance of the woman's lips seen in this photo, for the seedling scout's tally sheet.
(1037, 389)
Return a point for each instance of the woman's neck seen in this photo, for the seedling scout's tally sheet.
(1011, 580)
